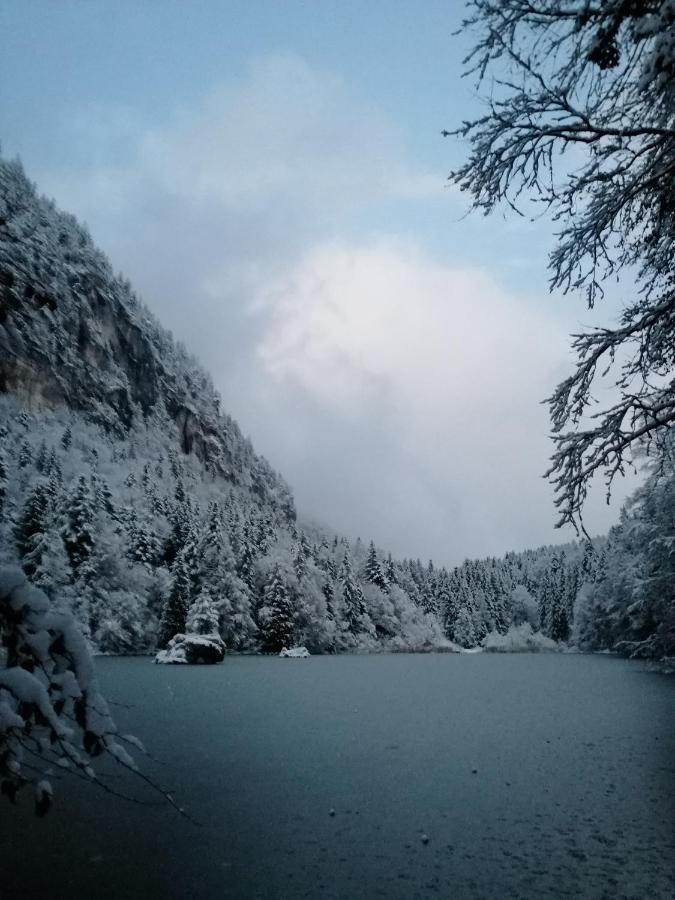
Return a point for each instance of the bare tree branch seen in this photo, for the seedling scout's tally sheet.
(581, 119)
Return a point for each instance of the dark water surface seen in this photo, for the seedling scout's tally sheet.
(531, 776)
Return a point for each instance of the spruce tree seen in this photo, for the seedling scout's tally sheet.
(246, 557)
(25, 455)
(389, 571)
(373, 570)
(559, 629)
(67, 438)
(202, 616)
(143, 542)
(174, 614)
(33, 518)
(181, 521)
(352, 596)
(464, 629)
(53, 470)
(302, 555)
(277, 627)
(103, 496)
(42, 458)
(78, 533)
(328, 591)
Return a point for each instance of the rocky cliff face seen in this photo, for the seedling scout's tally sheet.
(73, 333)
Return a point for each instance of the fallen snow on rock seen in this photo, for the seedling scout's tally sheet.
(295, 653)
(185, 649)
(519, 639)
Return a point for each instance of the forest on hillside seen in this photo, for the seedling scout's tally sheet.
(129, 497)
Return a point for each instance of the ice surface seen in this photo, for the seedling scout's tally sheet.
(571, 798)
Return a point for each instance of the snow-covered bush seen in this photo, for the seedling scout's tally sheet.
(52, 713)
(519, 639)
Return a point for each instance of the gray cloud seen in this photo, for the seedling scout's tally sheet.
(399, 395)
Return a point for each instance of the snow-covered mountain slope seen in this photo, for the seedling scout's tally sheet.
(73, 333)
(126, 492)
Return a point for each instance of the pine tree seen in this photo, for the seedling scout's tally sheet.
(33, 518)
(181, 521)
(143, 542)
(352, 597)
(174, 614)
(103, 495)
(246, 557)
(53, 469)
(67, 438)
(373, 570)
(328, 591)
(302, 555)
(547, 595)
(277, 627)
(559, 629)
(218, 576)
(47, 565)
(41, 460)
(389, 570)
(202, 616)
(25, 455)
(464, 630)
(78, 533)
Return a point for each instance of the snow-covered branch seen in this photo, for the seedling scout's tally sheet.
(580, 120)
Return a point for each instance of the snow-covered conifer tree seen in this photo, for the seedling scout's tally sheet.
(373, 570)
(277, 626)
(464, 630)
(176, 607)
(79, 530)
(32, 519)
(25, 455)
(202, 616)
(352, 598)
(389, 570)
(67, 438)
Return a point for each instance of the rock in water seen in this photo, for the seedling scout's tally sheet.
(295, 653)
(192, 648)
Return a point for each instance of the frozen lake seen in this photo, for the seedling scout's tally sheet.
(531, 776)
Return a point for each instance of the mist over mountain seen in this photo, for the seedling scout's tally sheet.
(133, 500)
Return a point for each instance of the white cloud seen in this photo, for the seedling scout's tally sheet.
(429, 380)
(285, 134)
(401, 397)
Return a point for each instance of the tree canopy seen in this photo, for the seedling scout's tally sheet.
(580, 119)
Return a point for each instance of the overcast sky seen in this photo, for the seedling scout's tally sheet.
(272, 178)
